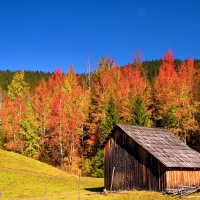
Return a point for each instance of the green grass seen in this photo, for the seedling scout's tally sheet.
(24, 178)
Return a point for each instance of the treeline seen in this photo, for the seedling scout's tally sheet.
(64, 118)
(32, 78)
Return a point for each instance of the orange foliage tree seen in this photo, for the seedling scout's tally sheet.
(123, 84)
(61, 113)
(175, 105)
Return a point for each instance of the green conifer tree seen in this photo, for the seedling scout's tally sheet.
(110, 119)
(139, 116)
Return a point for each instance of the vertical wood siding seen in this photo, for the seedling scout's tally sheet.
(182, 177)
(135, 168)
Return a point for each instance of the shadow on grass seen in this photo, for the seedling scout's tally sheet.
(96, 189)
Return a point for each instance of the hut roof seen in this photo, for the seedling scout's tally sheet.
(163, 145)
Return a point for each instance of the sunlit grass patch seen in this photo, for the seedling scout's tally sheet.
(22, 178)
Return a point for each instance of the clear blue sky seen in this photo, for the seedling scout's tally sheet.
(47, 34)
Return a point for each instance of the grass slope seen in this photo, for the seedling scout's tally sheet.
(24, 178)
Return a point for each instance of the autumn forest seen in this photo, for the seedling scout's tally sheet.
(63, 118)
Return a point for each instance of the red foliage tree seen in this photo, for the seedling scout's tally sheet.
(175, 104)
(12, 113)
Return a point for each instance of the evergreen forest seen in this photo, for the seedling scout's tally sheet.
(63, 118)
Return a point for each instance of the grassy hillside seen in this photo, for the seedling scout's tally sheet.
(24, 178)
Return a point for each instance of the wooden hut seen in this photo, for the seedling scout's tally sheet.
(148, 159)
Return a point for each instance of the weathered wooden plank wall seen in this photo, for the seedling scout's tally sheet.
(135, 168)
(182, 177)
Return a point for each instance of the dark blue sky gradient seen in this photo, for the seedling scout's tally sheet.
(46, 34)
